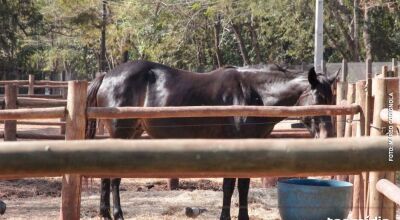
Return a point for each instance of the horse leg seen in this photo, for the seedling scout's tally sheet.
(243, 187)
(117, 211)
(105, 200)
(228, 187)
(121, 129)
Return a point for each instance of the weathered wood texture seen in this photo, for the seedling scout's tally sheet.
(75, 130)
(359, 181)
(219, 111)
(201, 158)
(38, 96)
(395, 116)
(341, 91)
(36, 82)
(31, 88)
(39, 102)
(392, 101)
(340, 119)
(351, 94)
(383, 87)
(10, 126)
(37, 113)
(389, 189)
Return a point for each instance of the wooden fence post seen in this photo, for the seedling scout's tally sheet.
(389, 207)
(62, 127)
(75, 130)
(358, 211)
(10, 99)
(351, 94)
(368, 113)
(340, 95)
(383, 87)
(395, 68)
(31, 88)
(368, 99)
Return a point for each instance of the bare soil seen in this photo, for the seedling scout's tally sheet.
(39, 198)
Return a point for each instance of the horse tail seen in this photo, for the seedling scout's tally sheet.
(91, 101)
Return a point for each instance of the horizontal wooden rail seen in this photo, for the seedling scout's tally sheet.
(43, 96)
(219, 111)
(36, 82)
(15, 82)
(389, 189)
(36, 136)
(293, 134)
(37, 113)
(395, 116)
(196, 157)
(47, 86)
(47, 82)
(39, 102)
(44, 123)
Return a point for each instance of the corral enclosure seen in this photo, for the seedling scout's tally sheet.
(262, 209)
(47, 170)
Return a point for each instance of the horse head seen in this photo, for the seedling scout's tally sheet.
(319, 92)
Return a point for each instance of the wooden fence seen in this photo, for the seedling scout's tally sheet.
(372, 95)
(366, 157)
(33, 100)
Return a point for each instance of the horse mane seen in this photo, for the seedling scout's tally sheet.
(277, 72)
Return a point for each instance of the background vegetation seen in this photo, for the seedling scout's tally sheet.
(81, 37)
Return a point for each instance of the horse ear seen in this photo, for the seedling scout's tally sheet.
(312, 77)
(333, 77)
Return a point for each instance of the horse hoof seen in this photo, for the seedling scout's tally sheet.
(105, 216)
(118, 216)
(225, 217)
(243, 216)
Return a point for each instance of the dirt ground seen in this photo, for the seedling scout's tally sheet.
(39, 198)
(141, 199)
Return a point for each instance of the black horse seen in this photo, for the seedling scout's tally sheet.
(142, 83)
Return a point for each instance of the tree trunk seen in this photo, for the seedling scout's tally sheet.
(367, 35)
(254, 41)
(217, 32)
(242, 47)
(102, 58)
(356, 12)
(125, 56)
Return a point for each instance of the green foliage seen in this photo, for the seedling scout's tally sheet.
(64, 36)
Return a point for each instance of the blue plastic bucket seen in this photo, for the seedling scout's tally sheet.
(312, 199)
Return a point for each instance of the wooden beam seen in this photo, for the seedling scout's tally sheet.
(44, 123)
(351, 96)
(31, 88)
(383, 86)
(39, 96)
(47, 86)
(10, 126)
(197, 157)
(37, 113)
(75, 130)
(340, 119)
(14, 82)
(40, 102)
(392, 101)
(395, 116)
(219, 111)
(389, 189)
